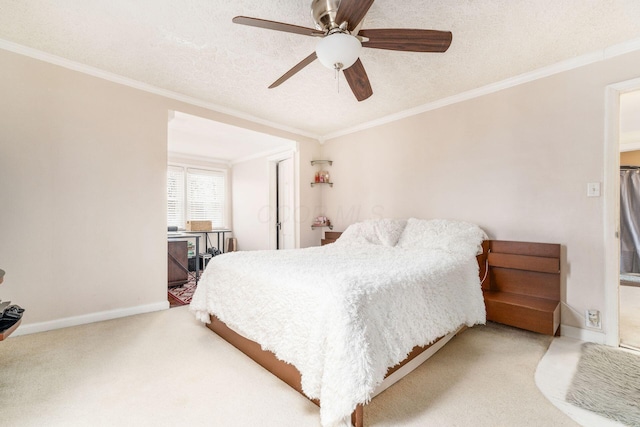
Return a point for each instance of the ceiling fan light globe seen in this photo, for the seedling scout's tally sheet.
(338, 48)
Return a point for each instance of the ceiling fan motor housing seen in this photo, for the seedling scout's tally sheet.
(324, 14)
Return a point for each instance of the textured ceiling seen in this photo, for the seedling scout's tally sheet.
(191, 47)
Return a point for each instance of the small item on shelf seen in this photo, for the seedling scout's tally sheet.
(321, 221)
(321, 176)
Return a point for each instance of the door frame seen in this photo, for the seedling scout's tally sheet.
(612, 207)
(273, 195)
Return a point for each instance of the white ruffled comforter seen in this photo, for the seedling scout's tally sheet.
(345, 312)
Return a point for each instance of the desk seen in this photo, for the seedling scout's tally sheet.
(173, 237)
(207, 242)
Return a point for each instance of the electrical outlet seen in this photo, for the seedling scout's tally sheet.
(592, 318)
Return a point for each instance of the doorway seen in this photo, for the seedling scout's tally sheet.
(223, 158)
(283, 187)
(622, 326)
(285, 224)
(629, 289)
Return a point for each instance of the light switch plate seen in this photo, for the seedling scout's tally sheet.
(593, 189)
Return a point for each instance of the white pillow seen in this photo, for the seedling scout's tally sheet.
(384, 232)
(442, 234)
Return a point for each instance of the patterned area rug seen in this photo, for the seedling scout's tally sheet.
(607, 382)
(181, 295)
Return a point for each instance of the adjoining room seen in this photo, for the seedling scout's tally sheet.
(218, 176)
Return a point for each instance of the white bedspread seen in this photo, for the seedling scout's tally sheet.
(345, 312)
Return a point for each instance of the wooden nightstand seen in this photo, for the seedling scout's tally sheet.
(330, 237)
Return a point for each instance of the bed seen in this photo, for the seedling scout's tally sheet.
(336, 318)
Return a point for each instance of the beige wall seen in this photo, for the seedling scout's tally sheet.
(311, 201)
(517, 162)
(630, 158)
(251, 189)
(83, 193)
(251, 213)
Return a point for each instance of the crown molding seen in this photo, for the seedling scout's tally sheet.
(116, 78)
(559, 67)
(573, 63)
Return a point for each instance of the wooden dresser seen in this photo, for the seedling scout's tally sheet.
(177, 262)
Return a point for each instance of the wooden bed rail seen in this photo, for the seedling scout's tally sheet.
(285, 371)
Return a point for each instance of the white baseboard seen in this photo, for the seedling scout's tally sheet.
(582, 334)
(89, 318)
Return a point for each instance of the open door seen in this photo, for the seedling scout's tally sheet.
(285, 224)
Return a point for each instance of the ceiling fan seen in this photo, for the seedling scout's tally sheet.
(338, 24)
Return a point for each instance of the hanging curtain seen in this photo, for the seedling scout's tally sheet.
(630, 220)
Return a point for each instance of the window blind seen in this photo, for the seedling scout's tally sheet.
(206, 196)
(175, 197)
(195, 194)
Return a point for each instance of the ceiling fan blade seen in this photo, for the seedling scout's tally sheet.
(358, 81)
(299, 66)
(278, 26)
(352, 11)
(407, 40)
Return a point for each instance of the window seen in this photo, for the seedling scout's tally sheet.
(195, 194)
(175, 196)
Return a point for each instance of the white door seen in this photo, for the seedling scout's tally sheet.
(285, 212)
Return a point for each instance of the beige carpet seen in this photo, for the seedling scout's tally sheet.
(165, 369)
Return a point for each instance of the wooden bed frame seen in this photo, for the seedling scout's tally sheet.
(521, 287)
(290, 374)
